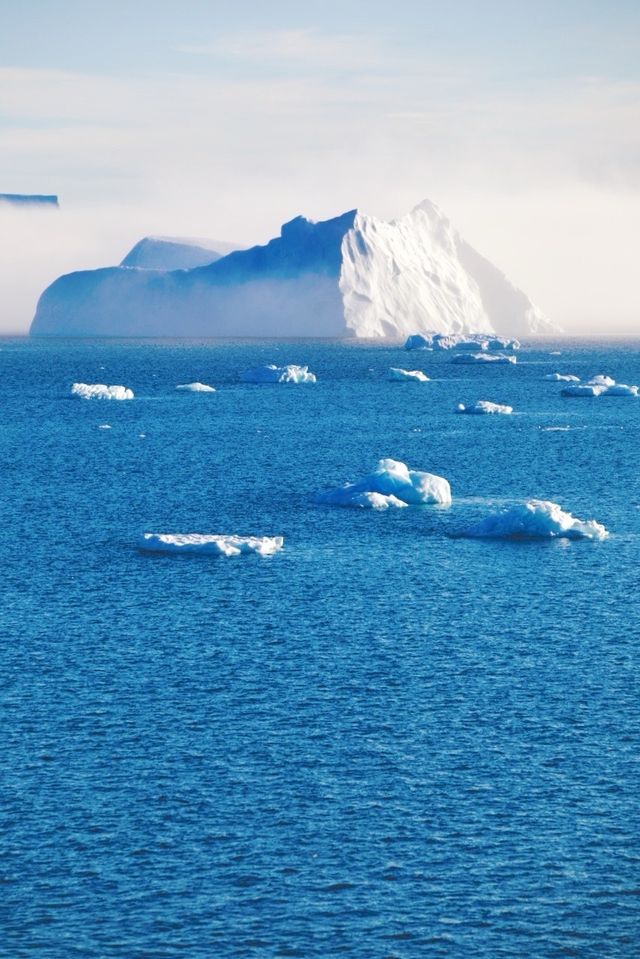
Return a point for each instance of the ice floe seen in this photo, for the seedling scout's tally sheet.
(483, 358)
(195, 388)
(536, 519)
(278, 374)
(407, 376)
(214, 545)
(484, 406)
(600, 386)
(100, 391)
(392, 481)
(561, 378)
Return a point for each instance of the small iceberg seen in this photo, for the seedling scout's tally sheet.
(419, 342)
(600, 386)
(601, 380)
(483, 358)
(278, 374)
(620, 389)
(582, 389)
(561, 378)
(407, 376)
(213, 545)
(484, 406)
(395, 484)
(536, 519)
(195, 388)
(100, 391)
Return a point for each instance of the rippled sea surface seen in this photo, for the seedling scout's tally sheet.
(381, 742)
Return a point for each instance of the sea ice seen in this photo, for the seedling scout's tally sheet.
(561, 378)
(100, 391)
(536, 519)
(394, 480)
(583, 389)
(214, 545)
(484, 406)
(483, 358)
(278, 374)
(196, 388)
(620, 389)
(407, 376)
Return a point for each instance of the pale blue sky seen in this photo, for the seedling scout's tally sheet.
(521, 119)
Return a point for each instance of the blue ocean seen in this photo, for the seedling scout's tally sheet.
(383, 742)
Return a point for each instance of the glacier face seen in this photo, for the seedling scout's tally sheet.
(353, 275)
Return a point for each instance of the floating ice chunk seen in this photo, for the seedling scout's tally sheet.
(213, 545)
(561, 378)
(407, 376)
(503, 343)
(395, 480)
(104, 426)
(195, 388)
(100, 391)
(278, 374)
(601, 380)
(536, 519)
(620, 389)
(583, 389)
(484, 406)
(367, 500)
(483, 358)
(419, 342)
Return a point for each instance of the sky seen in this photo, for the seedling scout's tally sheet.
(520, 120)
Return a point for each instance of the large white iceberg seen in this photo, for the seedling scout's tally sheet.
(407, 376)
(278, 374)
(391, 479)
(215, 545)
(195, 388)
(536, 519)
(484, 407)
(561, 378)
(100, 391)
(483, 358)
(353, 275)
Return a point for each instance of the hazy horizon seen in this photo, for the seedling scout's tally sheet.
(521, 125)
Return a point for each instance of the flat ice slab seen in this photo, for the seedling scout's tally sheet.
(483, 358)
(407, 376)
(278, 374)
(100, 391)
(392, 481)
(600, 386)
(484, 407)
(561, 378)
(211, 545)
(195, 388)
(536, 519)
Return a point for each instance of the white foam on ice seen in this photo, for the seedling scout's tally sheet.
(278, 374)
(483, 358)
(195, 388)
(100, 391)
(391, 479)
(213, 545)
(536, 519)
(484, 407)
(561, 378)
(407, 376)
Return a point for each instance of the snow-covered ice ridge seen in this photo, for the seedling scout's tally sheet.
(353, 275)
(392, 484)
(213, 545)
(100, 391)
(536, 519)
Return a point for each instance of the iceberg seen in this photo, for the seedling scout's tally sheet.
(483, 358)
(407, 376)
(351, 276)
(419, 342)
(173, 253)
(601, 380)
(212, 545)
(620, 389)
(196, 388)
(460, 341)
(100, 391)
(582, 389)
(535, 519)
(392, 480)
(561, 378)
(484, 406)
(600, 386)
(278, 374)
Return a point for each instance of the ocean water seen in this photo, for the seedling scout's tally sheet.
(381, 742)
